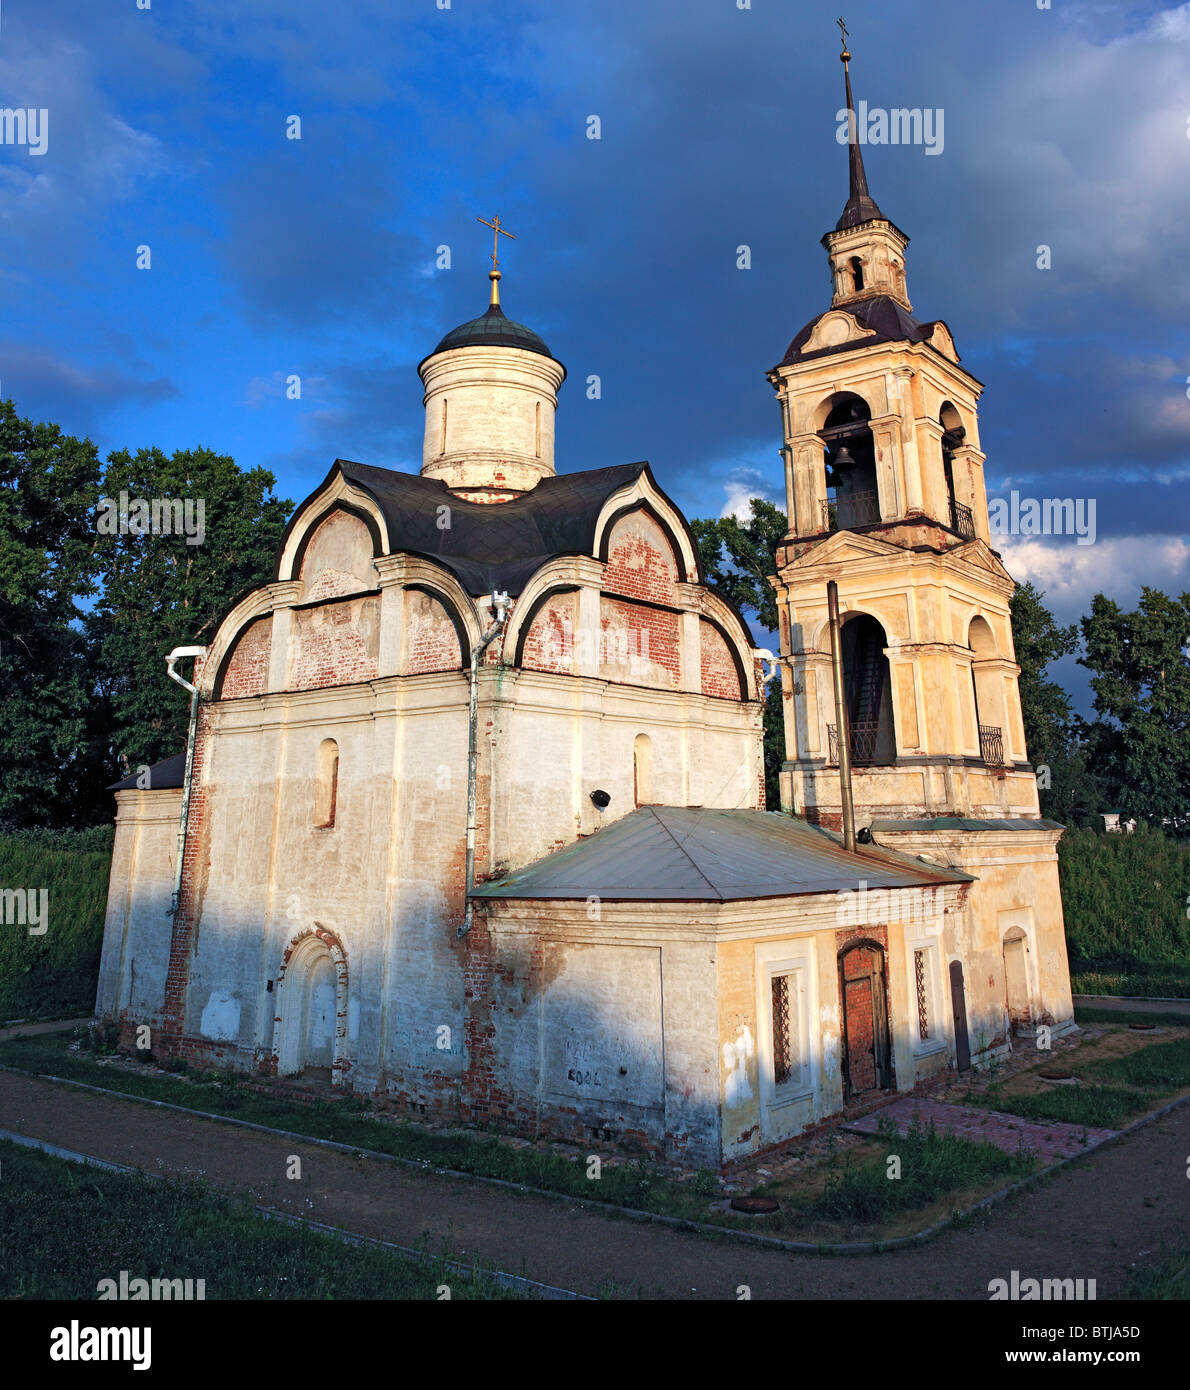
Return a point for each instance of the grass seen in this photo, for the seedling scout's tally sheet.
(1137, 1077)
(1168, 1278)
(932, 1166)
(64, 1227)
(1089, 1013)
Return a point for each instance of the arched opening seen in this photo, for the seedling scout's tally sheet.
(867, 689)
(987, 692)
(310, 1028)
(867, 1053)
(1017, 995)
(852, 497)
(642, 770)
(856, 266)
(959, 516)
(326, 785)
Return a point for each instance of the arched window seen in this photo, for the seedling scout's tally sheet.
(953, 434)
(642, 770)
(326, 784)
(857, 274)
(868, 691)
(852, 497)
(987, 688)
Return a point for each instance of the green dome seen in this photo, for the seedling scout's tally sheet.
(493, 330)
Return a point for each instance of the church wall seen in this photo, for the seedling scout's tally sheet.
(719, 676)
(549, 643)
(640, 560)
(338, 558)
(433, 641)
(639, 644)
(135, 955)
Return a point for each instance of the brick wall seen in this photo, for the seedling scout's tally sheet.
(337, 644)
(433, 641)
(719, 675)
(549, 643)
(247, 673)
(640, 561)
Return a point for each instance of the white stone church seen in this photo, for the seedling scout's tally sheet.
(476, 819)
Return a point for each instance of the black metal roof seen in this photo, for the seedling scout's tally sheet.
(491, 329)
(702, 854)
(889, 321)
(163, 776)
(493, 545)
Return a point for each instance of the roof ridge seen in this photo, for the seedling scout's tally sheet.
(679, 845)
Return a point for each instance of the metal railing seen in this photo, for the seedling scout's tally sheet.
(852, 509)
(961, 520)
(991, 745)
(864, 733)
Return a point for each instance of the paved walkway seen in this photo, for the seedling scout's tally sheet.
(58, 1025)
(1092, 1220)
(1050, 1141)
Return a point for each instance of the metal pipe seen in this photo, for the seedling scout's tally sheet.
(499, 607)
(841, 721)
(183, 823)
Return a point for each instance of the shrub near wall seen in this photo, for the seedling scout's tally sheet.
(1125, 900)
(56, 973)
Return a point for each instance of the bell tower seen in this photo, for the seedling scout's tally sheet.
(885, 494)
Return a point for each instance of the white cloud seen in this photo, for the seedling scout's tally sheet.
(1070, 575)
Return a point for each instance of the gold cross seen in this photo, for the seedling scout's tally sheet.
(843, 27)
(497, 232)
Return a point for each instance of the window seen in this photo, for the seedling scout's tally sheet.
(537, 431)
(921, 979)
(784, 1041)
(442, 450)
(857, 273)
(924, 998)
(642, 770)
(326, 784)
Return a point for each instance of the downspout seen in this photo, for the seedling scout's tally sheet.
(499, 609)
(174, 656)
(841, 722)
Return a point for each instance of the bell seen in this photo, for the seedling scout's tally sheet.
(842, 459)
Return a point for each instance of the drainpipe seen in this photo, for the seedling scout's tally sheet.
(841, 722)
(499, 609)
(175, 656)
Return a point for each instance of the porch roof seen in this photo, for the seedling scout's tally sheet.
(703, 854)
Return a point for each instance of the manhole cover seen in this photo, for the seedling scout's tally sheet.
(1059, 1078)
(1143, 1027)
(755, 1206)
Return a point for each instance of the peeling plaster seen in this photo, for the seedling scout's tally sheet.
(735, 1061)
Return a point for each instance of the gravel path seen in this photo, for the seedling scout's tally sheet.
(1093, 1220)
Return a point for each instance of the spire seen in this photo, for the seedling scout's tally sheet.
(861, 207)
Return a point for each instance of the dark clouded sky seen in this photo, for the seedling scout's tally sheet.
(1067, 127)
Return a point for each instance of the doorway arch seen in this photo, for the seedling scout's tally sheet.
(310, 1028)
(1017, 993)
(863, 997)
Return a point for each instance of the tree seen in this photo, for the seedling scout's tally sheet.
(48, 488)
(1067, 789)
(171, 586)
(1140, 743)
(737, 561)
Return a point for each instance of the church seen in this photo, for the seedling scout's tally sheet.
(472, 818)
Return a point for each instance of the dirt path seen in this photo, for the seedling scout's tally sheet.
(1092, 1221)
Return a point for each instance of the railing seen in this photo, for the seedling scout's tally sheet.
(991, 745)
(864, 733)
(851, 509)
(961, 520)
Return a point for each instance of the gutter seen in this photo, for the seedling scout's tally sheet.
(499, 605)
(184, 821)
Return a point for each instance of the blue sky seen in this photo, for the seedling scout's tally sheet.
(1068, 127)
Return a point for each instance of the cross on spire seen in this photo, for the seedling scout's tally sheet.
(494, 274)
(845, 56)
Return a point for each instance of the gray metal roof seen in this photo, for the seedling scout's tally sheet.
(699, 854)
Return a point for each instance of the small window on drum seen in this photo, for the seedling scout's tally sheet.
(326, 785)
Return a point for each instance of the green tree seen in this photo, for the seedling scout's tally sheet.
(737, 559)
(168, 588)
(1140, 742)
(1068, 790)
(48, 488)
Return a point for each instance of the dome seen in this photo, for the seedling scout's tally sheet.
(492, 329)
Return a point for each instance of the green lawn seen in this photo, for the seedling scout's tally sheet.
(64, 1227)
